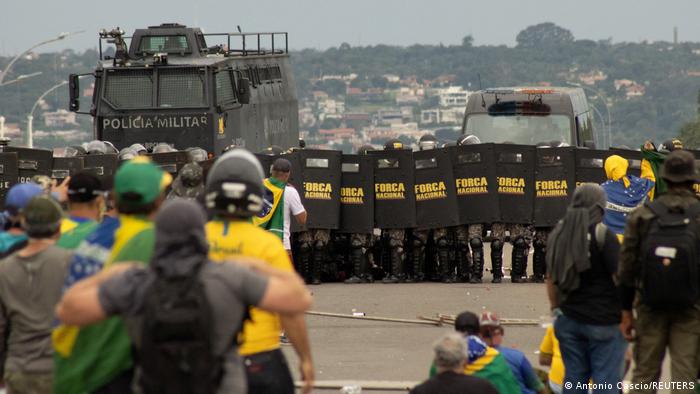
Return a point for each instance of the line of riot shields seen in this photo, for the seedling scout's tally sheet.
(21, 165)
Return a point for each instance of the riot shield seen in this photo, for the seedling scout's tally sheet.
(590, 165)
(31, 162)
(356, 194)
(103, 166)
(696, 186)
(9, 174)
(474, 170)
(63, 167)
(266, 162)
(515, 173)
(555, 181)
(436, 196)
(633, 156)
(394, 198)
(171, 162)
(318, 181)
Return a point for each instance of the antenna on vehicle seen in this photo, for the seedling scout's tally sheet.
(483, 102)
(239, 28)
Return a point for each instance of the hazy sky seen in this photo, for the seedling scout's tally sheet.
(326, 23)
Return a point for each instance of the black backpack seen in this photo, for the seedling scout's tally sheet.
(670, 258)
(176, 354)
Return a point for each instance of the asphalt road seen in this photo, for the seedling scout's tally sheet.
(381, 351)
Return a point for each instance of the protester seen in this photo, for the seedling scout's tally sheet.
(492, 333)
(624, 192)
(653, 161)
(181, 258)
(14, 236)
(97, 358)
(483, 361)
(582, 258)
(550, 356)
(86, 204)
(271, 217)
(659, 276)
(230, 234)
(30, 287)
(450, 359)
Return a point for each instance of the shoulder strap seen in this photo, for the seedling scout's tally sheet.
(601, 231)
(657, 208)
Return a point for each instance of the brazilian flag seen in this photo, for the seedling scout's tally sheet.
(271, 217)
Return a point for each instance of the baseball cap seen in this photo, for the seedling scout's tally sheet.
(84, 187)
(139, 182)
(281, 165)
(467, 322)
(42, 217)
(19, 195)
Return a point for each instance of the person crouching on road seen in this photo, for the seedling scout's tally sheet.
(582, 258)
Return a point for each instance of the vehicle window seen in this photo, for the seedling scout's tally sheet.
(520, 129)
(181, 88)
(129, 88)
(168, 44)
(224, 88)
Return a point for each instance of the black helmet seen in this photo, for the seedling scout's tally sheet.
(427, 142)
(273, 150)
(234, 185)
(197, 154)
(364, 149)
(470, 139)
(393, 144)
(671, 145)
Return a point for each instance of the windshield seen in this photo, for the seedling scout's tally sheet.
(169, 44)
(177, 88)
(520, 129)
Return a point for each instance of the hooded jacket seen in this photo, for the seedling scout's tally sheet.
(624, 193)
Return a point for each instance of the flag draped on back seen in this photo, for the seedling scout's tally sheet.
(271, 217)
(89, 357)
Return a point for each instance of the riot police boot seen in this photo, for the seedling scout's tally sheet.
(356, 257)
(519, 261)
(418, 259)
(396, 267)
(447, 272)
(497, 261)
(477, 269)
(305, 253)
(464, 263)
(316, 263)
(539, 264)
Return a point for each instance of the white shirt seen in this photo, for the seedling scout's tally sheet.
(292, 203)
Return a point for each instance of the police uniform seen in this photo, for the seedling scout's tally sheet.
(520, 239)
(360, 244)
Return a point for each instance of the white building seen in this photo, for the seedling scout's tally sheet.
(453, 96)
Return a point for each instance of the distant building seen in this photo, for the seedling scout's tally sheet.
(436, 116)
(453, 96)
(590, 78)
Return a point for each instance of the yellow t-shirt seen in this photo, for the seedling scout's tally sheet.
(230, 239)
(550, 345)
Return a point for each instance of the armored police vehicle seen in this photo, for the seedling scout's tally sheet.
(168, 86)
(554, 116)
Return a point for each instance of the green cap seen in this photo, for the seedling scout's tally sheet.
(139, 182)
(42, 217)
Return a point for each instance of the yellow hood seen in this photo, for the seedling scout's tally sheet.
(616, 169)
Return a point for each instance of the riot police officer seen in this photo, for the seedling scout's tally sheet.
(395, 271)
(470, 266)
(359, 245)
(441, 237)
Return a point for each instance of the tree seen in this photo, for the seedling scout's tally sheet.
(544, 35)
(468, 41)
